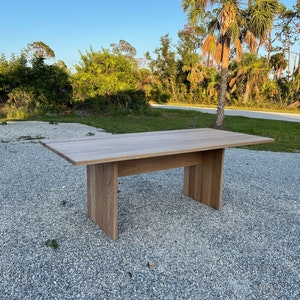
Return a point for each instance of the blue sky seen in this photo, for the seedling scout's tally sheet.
(68, 26)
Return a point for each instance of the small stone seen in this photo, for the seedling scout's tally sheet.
(151, 265)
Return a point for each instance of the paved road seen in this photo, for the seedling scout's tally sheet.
(244, 113)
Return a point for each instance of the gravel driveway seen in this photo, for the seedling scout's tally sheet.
(169, 246)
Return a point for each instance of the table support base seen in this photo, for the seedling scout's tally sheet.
(203, 174)
(102, 197)
(203, 182)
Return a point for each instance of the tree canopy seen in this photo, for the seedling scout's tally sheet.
(229, 53)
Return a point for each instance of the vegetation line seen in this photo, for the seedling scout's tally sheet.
(228, 107)
(218, 60)
(286, 134)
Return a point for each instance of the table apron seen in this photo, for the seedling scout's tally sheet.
(152, 164)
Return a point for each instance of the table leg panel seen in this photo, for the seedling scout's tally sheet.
(102, 197)
(204, 182)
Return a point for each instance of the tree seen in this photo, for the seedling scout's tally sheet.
(108, 79)
(124, 48)
(28, 84)
(230, 25)
(103, 73)
(164, 68)
(211, 85)
(247, 76)
(191, 38)
(278, 63)
(195, 72)
(286, 31)
(41, 50)
(191, 69)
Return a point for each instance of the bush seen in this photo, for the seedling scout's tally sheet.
(159, 96)
(120, 103)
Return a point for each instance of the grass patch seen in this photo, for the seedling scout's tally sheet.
(286, 134)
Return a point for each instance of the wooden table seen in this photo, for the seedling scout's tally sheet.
(199, 151)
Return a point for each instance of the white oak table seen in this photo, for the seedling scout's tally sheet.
(199, 151)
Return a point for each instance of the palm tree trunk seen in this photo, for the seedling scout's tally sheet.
(269, 46)
(223, 85)
(247, 93)
(221, 102)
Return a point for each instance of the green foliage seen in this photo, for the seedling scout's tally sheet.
(53, 122)
(40, 49)
(122, 102)
(278, 64)
(231, 25)
(164, 68)
(158, 94)
(108, 81)
(246, 78)
(52, 243)
(51, 86)
(13, 113)
(103, 73)
(124, 48)
(28, 84)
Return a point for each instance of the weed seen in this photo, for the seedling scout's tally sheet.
(52, 243)
(30, 138)
(3, 123)
(90, 134)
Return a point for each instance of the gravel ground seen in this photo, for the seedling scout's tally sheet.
(169, 247)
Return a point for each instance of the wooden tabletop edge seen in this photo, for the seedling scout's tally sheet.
(59, 153)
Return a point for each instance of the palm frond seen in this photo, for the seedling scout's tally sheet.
(218, 53)
(262, 13)
(250, 39)
(227, 17)
(238, 49)
(209, 45)
(194, 8)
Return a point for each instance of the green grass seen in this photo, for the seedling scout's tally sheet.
(286, 134)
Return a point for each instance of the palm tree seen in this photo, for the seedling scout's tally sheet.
(230, 25)
(212, 86)
(247, 76)
(278, 63)
(194, 70)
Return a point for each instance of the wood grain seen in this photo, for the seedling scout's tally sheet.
(102, 197)
(93, 150)
(144, 165)
(204, 182)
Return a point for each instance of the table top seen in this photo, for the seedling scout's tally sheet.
(120, 147)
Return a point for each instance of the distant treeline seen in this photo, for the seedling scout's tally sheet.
(114, 80)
